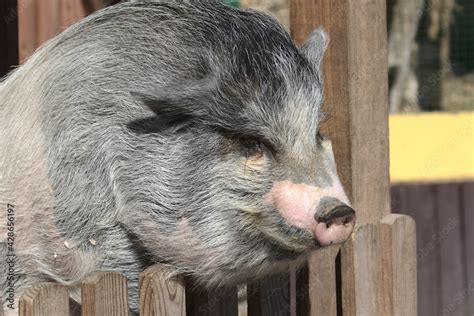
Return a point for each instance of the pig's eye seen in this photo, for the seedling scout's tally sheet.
(252, 147)
(320, 137)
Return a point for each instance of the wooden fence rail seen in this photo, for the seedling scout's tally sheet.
(105, 293)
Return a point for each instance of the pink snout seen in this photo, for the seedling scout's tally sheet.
(325, 212)
(335, 226)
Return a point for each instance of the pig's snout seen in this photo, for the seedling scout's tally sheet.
(323, 212)
(335, 225)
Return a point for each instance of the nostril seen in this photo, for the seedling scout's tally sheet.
(340, 215)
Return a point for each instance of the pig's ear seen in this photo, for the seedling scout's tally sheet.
(315, 46)
(177, 102)
(168, 110)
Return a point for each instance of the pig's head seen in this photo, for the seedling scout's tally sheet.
(243, 178)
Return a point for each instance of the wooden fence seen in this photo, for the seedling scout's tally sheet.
(39, 20)
(386, 248)
(374, 272)
(444, 215)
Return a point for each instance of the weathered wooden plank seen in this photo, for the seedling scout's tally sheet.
(67, 11)
(71, 12)
(104, 294)
(8, 35)
(449, 236)
(46, 298)
(420, 203)
(433, 229)
(467, 192)
(270, 296)
(356, 96)
(48, 19)
(40, 20)
(27, 21)
(161, 295)
(316, 286)
(216, 302)
(398, 240)
(362, 287)
(322, 282)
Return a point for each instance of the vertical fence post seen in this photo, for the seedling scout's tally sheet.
(356, 95)
(316, 290)
(104, 294)
(160, 295)
(399, 264)
(44, 299)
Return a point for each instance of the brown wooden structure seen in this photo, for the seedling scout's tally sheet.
(374, 273)
(445, 259)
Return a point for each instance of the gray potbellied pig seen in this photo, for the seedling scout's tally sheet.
(183, 133)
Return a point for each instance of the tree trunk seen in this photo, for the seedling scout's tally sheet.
(405, 18)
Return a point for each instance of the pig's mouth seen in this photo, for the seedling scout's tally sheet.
(286, 237)
(326, 229)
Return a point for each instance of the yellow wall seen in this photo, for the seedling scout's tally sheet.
(432, 147)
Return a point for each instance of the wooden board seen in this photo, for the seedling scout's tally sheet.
(40, 20)
(361, 275)
(421, 205)
(104, 294)
(71, 12)
(322, 288)
(46, 298)
(443, 244)
(356, 97)
(161, 295)
(48, 19)
(449, 238)
(399, 265)
(28, 36)
(467, 193)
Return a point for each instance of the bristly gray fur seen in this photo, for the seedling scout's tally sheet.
(122, 144)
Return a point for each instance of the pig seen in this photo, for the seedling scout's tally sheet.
(183, 133)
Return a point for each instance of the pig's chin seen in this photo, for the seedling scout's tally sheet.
(266, 268)
(288, 240)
